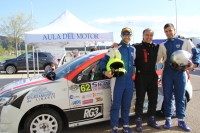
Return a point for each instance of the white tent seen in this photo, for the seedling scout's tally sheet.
(67, 30)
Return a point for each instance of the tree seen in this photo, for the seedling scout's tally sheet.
(14, 27)
(10, 49)
(1, 49)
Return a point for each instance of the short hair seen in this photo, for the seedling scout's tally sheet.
(168, 25)
(147, 29)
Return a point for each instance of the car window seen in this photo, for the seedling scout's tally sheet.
(91, 73)
(70, 66)
(41, 55)
(30, 55)
(21, 56)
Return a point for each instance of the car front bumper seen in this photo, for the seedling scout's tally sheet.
(9, 119)
(2, 67)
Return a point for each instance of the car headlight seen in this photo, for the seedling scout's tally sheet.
(3, 61)
(7, 100)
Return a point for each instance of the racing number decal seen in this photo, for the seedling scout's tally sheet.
(85, 88)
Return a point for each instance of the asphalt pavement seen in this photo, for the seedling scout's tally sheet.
(192, 111)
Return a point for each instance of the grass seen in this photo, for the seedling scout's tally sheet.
(3, 57)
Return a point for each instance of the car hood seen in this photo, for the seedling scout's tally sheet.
(22, 84)
(10, 59)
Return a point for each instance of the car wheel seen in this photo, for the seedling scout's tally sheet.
(174, 106)
(47, 67)
(43, 120)
(11, 69)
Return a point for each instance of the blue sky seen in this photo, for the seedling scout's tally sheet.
(113, 15)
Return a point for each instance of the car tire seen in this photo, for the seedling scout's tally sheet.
(174, 107)
(47, 67)
(10, 69)
(43, 120)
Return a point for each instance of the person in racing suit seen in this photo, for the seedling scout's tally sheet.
(173, 80)
(121, 87)
(146, 79)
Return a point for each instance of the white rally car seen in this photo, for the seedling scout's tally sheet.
(75, 94)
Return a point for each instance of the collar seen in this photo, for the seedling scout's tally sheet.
(172, 39)
(124, 44)
(147, 44)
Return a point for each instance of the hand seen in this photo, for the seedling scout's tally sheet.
(181, 37)
(108, 75)
(115, 45)
(192, 66)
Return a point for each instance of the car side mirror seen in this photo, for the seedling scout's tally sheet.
(50, 74)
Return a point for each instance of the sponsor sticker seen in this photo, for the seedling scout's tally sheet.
(178, 45)
(99, 99)
(87, 101)
(93, 112)
(76, 103)
(73, 97)
(104, 84)
(86, 96)
(85, 87)
(40, 93)
(73, 88)
(97, 94)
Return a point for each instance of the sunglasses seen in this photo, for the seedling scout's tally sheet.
(126, 35)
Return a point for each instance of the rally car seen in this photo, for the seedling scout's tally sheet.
(75, 94)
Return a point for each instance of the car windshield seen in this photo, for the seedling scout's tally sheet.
(70, 66)
(75, 63)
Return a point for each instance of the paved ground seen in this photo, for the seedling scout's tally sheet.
(192, 112)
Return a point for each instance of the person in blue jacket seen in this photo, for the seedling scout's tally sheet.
(173, 80)
(121, 87)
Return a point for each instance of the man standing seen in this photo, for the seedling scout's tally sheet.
(146, 79)
(174, 81)
(121, 87)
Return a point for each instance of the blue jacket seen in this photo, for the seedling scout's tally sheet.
(170, 45)
(127, 56)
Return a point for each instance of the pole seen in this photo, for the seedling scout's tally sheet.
(132, 31)
(176, 16)
(32, 14)
(27, 66)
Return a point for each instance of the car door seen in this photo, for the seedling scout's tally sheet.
(90, 94)
(42, 60)
(21, 62)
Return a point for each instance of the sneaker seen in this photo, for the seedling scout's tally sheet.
(126, 130)
(183, 126)
(115, 130)
(152, 122)
(168, 123)
(138, 127)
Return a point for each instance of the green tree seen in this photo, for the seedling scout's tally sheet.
(14, 27)
(1, 49)
(10, 49)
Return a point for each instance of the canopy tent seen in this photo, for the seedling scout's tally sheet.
(66, 31)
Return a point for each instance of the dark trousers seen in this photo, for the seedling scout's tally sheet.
(146, 83)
